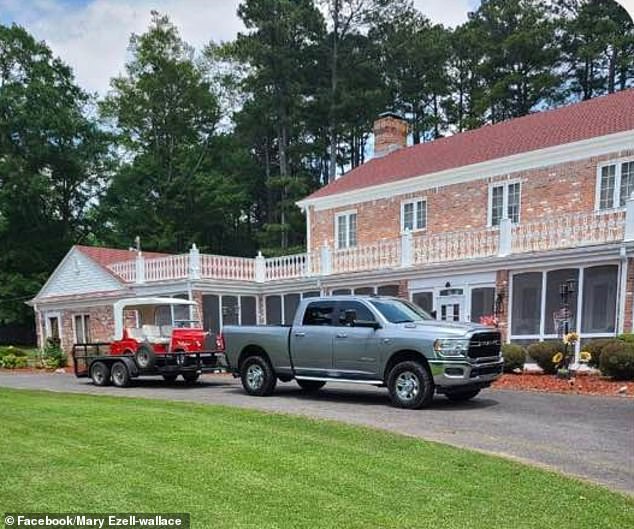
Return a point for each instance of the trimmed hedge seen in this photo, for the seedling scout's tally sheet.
(595, 348)
(542, 353)
(514, 357)
(617, 360)
(13, 362)
(10, 350)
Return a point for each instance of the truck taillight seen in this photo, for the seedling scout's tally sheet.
(220, 342)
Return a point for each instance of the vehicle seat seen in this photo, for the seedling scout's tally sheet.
(166, 331)
(135, 333)
(153, 334)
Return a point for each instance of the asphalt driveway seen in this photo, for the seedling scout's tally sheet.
(589, 437)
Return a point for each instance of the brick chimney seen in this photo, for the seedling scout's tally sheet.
(390, 133)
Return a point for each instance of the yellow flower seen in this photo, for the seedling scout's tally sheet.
(571, 337)
(557, 358)
(585, 356)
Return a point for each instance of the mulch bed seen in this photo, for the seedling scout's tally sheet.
(585, 384)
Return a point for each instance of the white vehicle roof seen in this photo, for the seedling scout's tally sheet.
(130, 303)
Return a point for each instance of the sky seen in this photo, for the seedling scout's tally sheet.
(92, 35)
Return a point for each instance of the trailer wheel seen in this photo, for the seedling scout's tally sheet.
(100, 374)
(144, 356)
(191, 377)
(120, 375)
(257, 376)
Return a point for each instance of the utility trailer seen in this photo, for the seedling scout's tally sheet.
(151, 347)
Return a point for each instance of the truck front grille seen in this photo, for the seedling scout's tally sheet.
(484, 345)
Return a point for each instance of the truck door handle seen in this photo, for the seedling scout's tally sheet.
(342, 335)
(300, 334)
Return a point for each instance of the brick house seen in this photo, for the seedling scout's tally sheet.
(485, 222)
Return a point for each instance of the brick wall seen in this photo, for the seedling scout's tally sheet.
(564, 188)
(502, 286)
(628, 318)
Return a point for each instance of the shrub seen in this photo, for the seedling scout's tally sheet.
(11, 361)
(542, 353)
(52, 355)
(594, 347)
(514, 357)
(626, 337)
(10, 350)
(617, 360)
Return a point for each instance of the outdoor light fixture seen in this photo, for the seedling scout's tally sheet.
(499, 301)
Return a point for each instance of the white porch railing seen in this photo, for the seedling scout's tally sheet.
(568, 231)
(557, 232)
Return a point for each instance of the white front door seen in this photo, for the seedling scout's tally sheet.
(451, 305)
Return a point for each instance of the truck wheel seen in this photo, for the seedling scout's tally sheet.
(145, 357)
(190, 378)
(462, 396)
(120, 375)
(100, 374)
(257, 376)
(410, 385)
(311, 385)
(171, 378)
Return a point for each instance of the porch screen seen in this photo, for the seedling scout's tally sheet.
(230, 310)
(291, 302)
(211, 313)
(526, 310)
(425, 300)
(247, 310)
(342, 292)
(554, 281)
(599, 299)
(482, 303)
(387, 290)
(364, 291)
(273, 310)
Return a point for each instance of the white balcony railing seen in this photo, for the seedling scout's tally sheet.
(557, 232)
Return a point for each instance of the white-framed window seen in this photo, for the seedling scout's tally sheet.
(414, 215)
(52, 326)
(81, 323)
(615, 184)
(346, 229)
(504, 197)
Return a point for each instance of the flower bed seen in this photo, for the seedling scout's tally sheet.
(585, 384)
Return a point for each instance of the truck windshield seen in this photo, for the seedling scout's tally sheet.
(400, 311)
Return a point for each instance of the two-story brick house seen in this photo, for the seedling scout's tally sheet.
(486, 222)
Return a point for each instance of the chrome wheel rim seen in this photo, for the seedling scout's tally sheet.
(407, 386)
(117, 374)
(255, 376)
(143, 358)
(98, 374)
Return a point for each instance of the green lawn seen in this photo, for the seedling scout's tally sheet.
(235, 468)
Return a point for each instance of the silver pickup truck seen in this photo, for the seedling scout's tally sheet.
(381, 341)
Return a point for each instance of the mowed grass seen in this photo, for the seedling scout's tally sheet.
(233, 468)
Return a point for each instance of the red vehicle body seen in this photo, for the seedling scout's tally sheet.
(189, 340)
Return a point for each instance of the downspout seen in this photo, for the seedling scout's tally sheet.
(622, 291)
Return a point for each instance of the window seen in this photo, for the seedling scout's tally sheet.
(82, 328)
(615, 184)
(399, 311)
(346, 230)
(482, 303)
(526, 310)
(291, 302)
(248, 314)
(273, 310)
(364, 291)
(363, 313)
(599, 299)
(319, 313)
(504, 198)
(425, 300)
(388, 290)
(52, 328)
(554, 280)
(414, 215)
(342, 292)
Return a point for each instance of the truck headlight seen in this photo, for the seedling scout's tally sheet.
(451, 347)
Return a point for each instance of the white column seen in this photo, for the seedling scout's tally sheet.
(406, 248)
(260, 268)
(194, 262)
(326, 260)
(504, 247)
(629, 219)
(140, 268)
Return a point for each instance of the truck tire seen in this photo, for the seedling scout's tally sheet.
(462, 396)
(100, 374)
(170, 377)
(257, 376)
(410, 385)
(191, 377)
(144, 356)
(120, 375)
(311, 385)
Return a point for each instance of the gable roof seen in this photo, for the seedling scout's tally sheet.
(601, 116)
(107, 256)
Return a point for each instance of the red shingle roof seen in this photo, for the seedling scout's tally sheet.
(108, 256)
(589, 119)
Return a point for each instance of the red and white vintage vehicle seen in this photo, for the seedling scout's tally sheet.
(152, 336)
